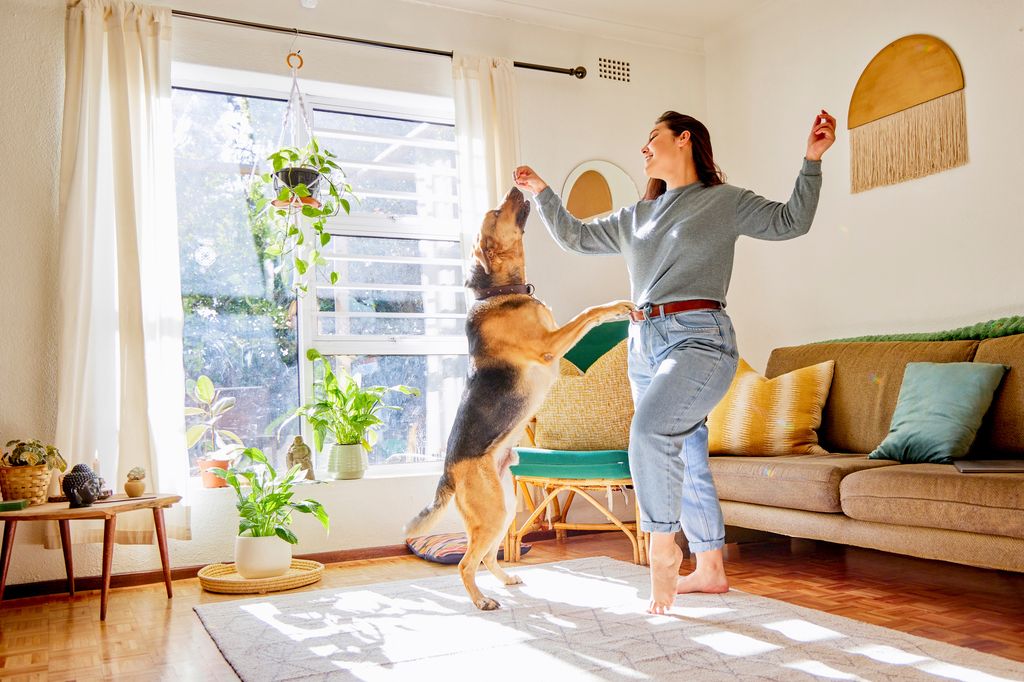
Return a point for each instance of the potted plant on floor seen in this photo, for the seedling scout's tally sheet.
(308, 183)
(222, 446)
(263, 547)
(349, 413)
(26, 468)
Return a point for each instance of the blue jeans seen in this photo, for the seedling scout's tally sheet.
(680, 366)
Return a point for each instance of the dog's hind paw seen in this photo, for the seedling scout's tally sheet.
(486, 604)
(513, 580)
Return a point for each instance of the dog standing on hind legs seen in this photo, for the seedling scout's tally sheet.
(514, 346)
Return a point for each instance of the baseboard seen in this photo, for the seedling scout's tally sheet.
(95, 582)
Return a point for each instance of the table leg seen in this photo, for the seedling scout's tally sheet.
(108, 554)
(161, 538)
(5, 553)
(65, 542)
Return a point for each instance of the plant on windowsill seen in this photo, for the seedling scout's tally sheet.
(349, 413)
(26, 468)
(263, 547)
(222, 446)
(308, 183)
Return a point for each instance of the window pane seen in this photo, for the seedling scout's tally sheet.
(419, 431)
(392, 287)
(239, 315)
(399, 167)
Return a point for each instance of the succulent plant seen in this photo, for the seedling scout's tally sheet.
(136, 474)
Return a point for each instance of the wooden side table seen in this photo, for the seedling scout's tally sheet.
(102, 509)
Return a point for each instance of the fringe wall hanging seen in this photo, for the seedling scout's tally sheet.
(907, 117)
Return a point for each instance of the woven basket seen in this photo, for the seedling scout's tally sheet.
(223, 578)
(25, 482)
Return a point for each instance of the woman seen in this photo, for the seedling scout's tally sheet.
(679, 243)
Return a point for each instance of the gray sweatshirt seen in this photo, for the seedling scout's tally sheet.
(681, 245)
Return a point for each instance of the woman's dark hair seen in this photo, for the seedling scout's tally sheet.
(708, 171)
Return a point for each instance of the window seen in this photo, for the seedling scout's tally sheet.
(396, 314)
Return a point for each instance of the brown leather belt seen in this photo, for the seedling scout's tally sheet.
(646, 313)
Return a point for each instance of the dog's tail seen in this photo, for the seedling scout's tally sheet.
(426, 519)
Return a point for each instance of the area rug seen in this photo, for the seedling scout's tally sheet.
(572, 620)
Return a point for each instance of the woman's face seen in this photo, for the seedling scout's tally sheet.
(664, 151)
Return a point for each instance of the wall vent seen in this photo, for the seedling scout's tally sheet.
(613, 69)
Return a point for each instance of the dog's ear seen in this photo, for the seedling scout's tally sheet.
(480, 256)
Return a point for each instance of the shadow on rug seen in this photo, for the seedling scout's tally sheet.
(572, 620)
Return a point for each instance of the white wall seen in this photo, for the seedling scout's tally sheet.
(564, 122)
(925, 255)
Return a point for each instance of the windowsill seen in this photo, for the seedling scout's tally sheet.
(375, 472)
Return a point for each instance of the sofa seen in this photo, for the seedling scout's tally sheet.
(923, 510)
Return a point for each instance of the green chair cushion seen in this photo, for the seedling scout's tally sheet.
(586, 464)
(596, 343)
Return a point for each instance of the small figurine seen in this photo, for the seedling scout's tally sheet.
(299, 453)
(82, 486)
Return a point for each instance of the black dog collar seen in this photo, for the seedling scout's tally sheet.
(506, 290)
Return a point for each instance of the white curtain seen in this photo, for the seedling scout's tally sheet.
(487, 131)
(121, 383)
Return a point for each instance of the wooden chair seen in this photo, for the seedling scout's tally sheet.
(547, 473)
(542, 475)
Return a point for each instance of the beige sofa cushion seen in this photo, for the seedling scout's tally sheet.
(809, 482)
(1002, 432)
(937, 496)
(865, 383)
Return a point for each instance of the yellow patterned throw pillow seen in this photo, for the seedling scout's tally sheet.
(588, 411)
(766, 417)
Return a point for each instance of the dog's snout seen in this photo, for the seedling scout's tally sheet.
(514, 194)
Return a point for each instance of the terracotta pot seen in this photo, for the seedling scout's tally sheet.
(262, 557)
(209, 480)
(134, 488)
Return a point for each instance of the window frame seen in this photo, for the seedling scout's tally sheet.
(193, 78)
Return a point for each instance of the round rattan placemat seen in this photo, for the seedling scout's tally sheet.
(224, 579)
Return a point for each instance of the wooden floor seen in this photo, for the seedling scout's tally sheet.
(148, 637)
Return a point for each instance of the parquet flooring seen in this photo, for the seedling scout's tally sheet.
(148, 637)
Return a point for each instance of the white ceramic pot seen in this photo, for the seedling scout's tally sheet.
(262, 557)
(347, 461)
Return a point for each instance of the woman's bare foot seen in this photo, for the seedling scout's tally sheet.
(665, 557)
(709, 576)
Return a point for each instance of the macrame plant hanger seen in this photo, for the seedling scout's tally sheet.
(297, 127)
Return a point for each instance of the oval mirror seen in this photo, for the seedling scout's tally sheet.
(596, 188)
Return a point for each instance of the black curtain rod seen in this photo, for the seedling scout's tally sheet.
(579, 71)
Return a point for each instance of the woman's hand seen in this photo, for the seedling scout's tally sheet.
(525, 178)
(823, 134)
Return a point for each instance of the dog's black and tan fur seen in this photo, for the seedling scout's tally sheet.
(514, 345)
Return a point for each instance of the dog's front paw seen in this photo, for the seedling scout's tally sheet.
(513, 580)
(618, 310)
(486, 604)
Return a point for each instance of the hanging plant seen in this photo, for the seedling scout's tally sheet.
(309, 187)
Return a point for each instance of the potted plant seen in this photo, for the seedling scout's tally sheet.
(349, 413)
(25, 470)
(222, 445)
(135, 485)
(300, 176)
(263, 547)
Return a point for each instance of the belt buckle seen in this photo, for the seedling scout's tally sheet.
(645, 312)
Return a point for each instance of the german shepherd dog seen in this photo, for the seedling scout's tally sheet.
(514, 346)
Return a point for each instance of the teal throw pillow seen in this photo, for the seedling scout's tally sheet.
(939, 410)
